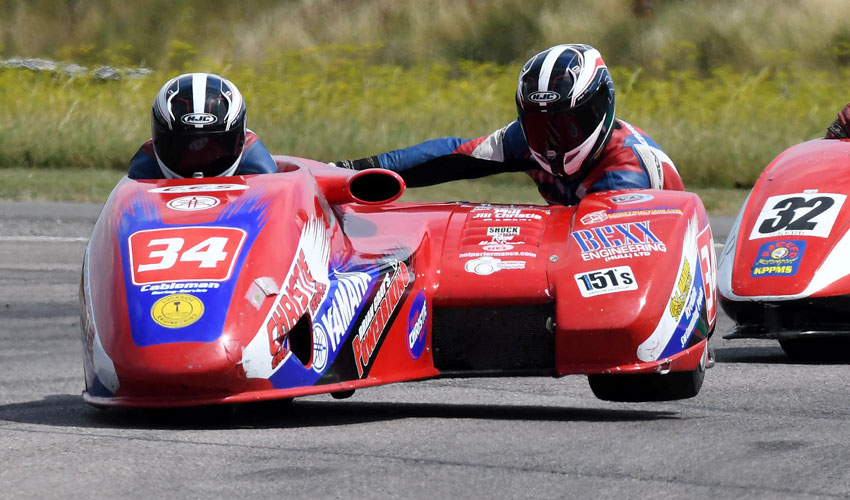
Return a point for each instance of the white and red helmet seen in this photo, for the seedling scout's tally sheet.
(198, 126)
(565, 105)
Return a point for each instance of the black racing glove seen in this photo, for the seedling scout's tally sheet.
(360, 164)
(840, 128)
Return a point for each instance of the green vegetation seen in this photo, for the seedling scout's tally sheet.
(722, 86)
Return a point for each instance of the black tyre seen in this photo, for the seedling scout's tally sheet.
(647, 387)
(819, 349)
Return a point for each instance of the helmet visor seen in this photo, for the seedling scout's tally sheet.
(210, 153)
(552, 134)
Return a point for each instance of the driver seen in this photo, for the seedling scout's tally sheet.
(565, 137)
(198, 130)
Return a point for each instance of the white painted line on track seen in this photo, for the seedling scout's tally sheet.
(45, 239)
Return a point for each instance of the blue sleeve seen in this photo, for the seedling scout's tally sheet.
(402, 159)
(144, 166)
(503, 145)
(256, 160)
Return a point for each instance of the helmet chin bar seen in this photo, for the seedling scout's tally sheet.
(170, 174)
(580, 154)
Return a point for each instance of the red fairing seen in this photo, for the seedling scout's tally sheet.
(791, 239)
(201, 291)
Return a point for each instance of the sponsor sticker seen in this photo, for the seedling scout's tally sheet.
(177, 311)
(682, 291)
(388, 296)
(604, 281)
(625, 199)
(199, 188)
(320, 350)
(350, 291)
(416, 329)
(643, 212)
(798, 214)
(498, 243)
(515, 214)
(618, 241)
(484, 266)
(503, 231)
(179, 287)
(778, 258)
(594, 217)
(300, 293)
(193, 203)
(466, 255)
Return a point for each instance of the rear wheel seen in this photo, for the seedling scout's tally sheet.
(818, 349)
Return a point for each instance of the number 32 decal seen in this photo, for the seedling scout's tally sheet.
(800, 214)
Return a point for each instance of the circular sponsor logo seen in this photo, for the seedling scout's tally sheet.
(417, 331)
(544, 96)
(193, 203)
(779, 253)
(177, 311)
(497, 247)
(198, 188)
(625, 199)
(200, 119)
(320, 348)
(482, 266)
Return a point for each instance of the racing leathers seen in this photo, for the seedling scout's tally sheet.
(631, 160)
(255, 159)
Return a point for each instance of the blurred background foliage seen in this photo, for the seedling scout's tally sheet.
(723, 86)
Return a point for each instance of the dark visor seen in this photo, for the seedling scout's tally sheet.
(553, 133)
(210, 153)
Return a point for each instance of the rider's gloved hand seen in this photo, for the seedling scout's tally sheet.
(840, 128)
(359, 164)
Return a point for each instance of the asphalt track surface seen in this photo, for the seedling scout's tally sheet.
(762, 426)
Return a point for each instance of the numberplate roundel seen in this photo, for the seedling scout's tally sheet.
(184, 254)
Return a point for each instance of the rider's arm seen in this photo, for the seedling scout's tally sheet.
(452, 158)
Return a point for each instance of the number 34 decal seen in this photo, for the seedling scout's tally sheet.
(184, 254)
(800, 214)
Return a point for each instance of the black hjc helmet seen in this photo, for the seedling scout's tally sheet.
(198, 126)
(565, 105)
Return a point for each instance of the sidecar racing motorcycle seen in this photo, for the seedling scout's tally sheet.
(311, 280)
(783, 273)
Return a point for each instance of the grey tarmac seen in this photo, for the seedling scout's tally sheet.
(762, 426)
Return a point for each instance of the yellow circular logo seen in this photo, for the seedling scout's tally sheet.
(177, 311)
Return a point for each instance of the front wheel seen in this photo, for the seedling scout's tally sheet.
(647, 386)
